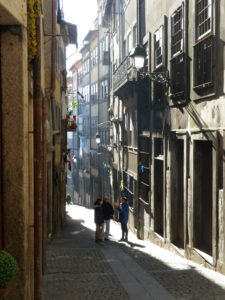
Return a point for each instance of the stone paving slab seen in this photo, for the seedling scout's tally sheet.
(138, 283)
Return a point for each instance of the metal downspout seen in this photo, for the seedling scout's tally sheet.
(1, 161)
(44, 186)
(53, 52)
(53, 69)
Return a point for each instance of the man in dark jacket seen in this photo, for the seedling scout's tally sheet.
(123, 217)
(99, 220)
(108, 212)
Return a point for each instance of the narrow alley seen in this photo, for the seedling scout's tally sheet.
(78, 268)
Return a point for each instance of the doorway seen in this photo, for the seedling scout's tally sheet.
(177, 193)
(203, 198)
(158, 186)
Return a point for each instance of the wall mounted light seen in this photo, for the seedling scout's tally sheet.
(139, 56)
(98, 138)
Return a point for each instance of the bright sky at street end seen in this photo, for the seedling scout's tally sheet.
(82, 13)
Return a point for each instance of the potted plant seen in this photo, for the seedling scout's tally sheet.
(8, 270)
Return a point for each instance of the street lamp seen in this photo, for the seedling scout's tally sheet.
(98, 138)
(139, 56)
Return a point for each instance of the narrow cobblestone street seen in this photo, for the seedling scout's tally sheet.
(78, 268)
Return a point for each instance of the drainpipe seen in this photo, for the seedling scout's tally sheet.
(44, 186)
(38, 168)
(1, 198)
(53, 52)
(137, 204)
(53, 69)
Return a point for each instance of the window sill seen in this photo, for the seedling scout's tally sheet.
(143, 201)
(204, 96)
(203, 37)
(204, 91)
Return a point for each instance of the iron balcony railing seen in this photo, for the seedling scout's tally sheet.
(120, 76)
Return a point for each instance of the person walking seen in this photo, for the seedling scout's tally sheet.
(68, 199)
(99, 220)
(108, 212)
(123, 209)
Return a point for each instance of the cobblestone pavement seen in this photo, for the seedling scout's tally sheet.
(78, 269)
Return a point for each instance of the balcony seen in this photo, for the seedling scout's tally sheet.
(124, 77)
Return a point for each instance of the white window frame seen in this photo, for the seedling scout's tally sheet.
(159, 37)
(210, 30)
(182, 30)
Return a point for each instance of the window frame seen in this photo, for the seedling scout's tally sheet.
(212, 24)
(209, 84)
(206, 88)
(180, 58)
(182, 21)
(129, 43)
(159, 90)
(164, 47)
(129, 187)
(104, 89)
(156, 66)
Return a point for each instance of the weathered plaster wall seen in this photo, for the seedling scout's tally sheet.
(47, 10)
(13, 12)
(18, 224)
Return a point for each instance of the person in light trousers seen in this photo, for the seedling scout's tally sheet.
(108, 212)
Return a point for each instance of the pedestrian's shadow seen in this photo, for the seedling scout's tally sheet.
(135, 245)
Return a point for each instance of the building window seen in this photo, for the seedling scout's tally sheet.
(94, 121)
(205, 48)
(94, 57)
(144, 169)
(158, 47)
(134, 36)
(142, 19)
(178, 77)
(203, 17)
(177, 31)
(85, 67)
(129, 43)
(124, 54)
(160, 61)
(128, 188)
(135, 132)
(104, 47)
(204, 64)
(94, 93)
(86, 126)
(178, 64)
(114, 17)
(85, 93)
(104, 90)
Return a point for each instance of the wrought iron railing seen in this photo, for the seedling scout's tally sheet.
(120, 75)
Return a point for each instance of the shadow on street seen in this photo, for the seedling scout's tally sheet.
(77, 269)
